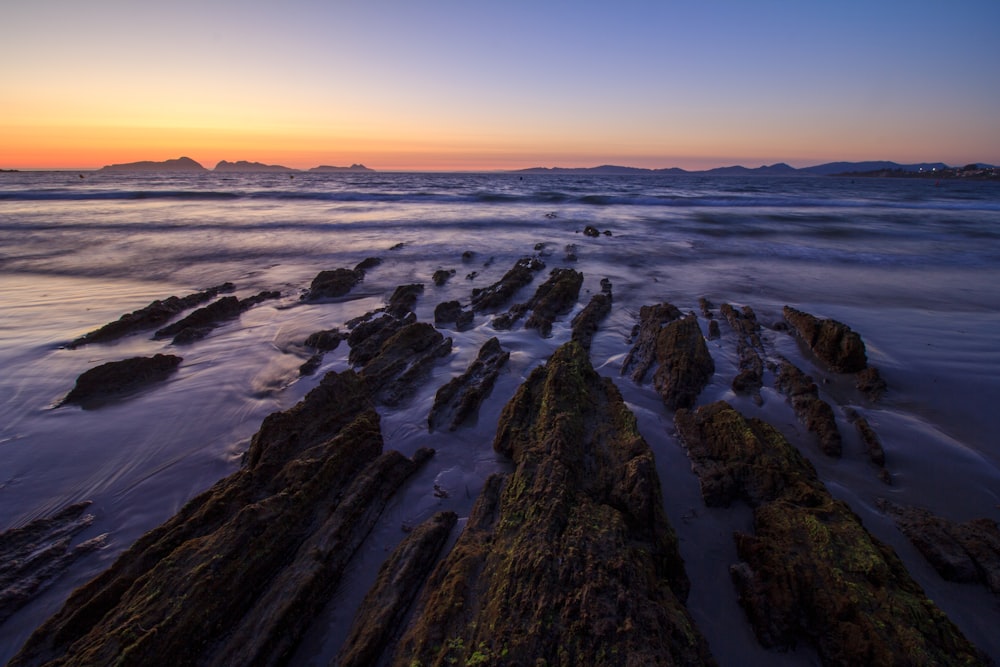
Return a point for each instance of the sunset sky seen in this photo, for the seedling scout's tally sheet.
(468, 84)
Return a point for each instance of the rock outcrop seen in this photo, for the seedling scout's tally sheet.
(238, 573)
(750, 377)
(336, 283)
(459, 400)
(149, 317)
(500, 292)
(201, 322)
(570, 560)
(586, 322)
(117, 378)
(451, 312)
(556, 296)
(967, 552)
(685, 365)
(835, 343)
(403, 360)
(641, 356)
(399, 579)
(811, 572)
(813, 411)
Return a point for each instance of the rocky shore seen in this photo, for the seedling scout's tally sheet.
(566, 559)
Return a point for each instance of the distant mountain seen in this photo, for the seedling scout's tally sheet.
(778, 169)
(353, 167)
(831, 168)
(244, 166)
(180, 164)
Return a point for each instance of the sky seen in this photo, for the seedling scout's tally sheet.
(482, 85)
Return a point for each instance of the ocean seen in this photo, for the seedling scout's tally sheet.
(910, 264)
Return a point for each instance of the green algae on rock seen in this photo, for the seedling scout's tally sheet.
(811, 571)
(236, 575)
(570, 559)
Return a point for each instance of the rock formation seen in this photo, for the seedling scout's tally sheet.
(811, 410)
(811, 572)
(500, 292)
(201, 322)
(458, 401)
(451, 312)
(238, 573)
(585, 323)
(570, 560)
(835, 343)
(749, 347)
(685, 366)
(153, 315)
(556, 296)
(643, 352)
(968, 552)
(35, 555)
(117, 378)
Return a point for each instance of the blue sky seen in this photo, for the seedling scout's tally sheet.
(496, 85)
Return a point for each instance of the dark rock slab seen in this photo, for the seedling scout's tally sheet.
(871, 441)
(333, 283)
(556, 296)
(835, 343)
(202, 321)
(149, 317)
(644, 334)
(500, 292)
(403, 360)
(814, 412)
(237, 575)
(570, 560)
(811, 572)
(452, 312)
(370, 331)
(685, 365)
(870, 383)
(966, 552)
(323, 342)
(750, 375)
(399, 579)
(118, 378)
(459, 400)
(404, 299)
(326, 340)
(368, 263)
(35, 555)
(441, 276)
(586, 322)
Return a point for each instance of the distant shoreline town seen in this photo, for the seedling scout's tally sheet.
(869, 169)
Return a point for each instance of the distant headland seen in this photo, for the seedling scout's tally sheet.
(186, 164)
(876, 169)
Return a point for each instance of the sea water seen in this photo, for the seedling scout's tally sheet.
(911, 264)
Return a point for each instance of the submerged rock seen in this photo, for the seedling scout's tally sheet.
(153, 315)
(872, 443)
(570, 560)
(35, 555)
(441, 276)
(967, 552)
(237, 575)
(500, 292)
(811, 410)
(116, 378)
(459, 400)
(811, 572)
